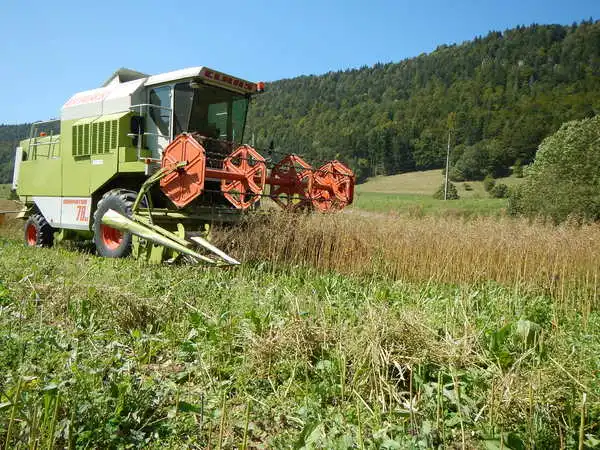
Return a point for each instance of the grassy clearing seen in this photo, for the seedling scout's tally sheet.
(416, 205)
(426, 183)
(420, 183)
(339, 331)
(411, 194)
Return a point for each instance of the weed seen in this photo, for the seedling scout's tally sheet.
(338, 331)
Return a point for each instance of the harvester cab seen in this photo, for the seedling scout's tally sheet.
(146, 164)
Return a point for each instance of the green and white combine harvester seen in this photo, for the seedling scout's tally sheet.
(145, 165)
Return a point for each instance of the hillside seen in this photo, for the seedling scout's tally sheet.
(508, 90)
(426, 183)
(411, 194)
(10, 135)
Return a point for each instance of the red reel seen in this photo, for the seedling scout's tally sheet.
(291, 181)
(246, 174)
(332, 187)
(186, 183)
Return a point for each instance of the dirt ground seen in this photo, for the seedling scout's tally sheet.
(8, 205)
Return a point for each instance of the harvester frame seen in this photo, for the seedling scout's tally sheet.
(146, 164)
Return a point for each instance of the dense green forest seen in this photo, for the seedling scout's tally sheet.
(508, 90)
(10, 135)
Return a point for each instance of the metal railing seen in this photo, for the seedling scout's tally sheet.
(50, 142)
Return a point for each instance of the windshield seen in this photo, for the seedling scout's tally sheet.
(210, 111)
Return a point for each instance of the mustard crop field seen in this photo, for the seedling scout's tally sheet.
(357, 330)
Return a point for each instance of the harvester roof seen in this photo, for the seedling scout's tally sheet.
(124, 89)
(124, 75)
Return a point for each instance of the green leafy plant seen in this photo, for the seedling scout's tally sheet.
(500, 190)
(452, 193)
(489, 183)
(563, 181)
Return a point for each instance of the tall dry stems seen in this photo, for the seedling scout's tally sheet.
(562, 261)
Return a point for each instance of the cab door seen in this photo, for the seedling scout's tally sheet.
(160, 119)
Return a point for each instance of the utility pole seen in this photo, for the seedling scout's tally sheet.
(451, 125)
(447, 168)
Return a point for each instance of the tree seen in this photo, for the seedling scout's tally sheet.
(473, 163)
(564, 179)
(500, 190)
(489, 183)
(452, 193)
(509, 91)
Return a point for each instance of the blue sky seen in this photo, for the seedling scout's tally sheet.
(50, 50)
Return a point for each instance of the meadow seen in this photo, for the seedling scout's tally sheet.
(356, 330)
(419, 205)
(411, 194)
(425, 183)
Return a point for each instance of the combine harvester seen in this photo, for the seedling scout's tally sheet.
(146, 164)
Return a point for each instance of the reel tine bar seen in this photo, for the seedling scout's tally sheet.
(291, 182)
(294, 184)
(251, 170)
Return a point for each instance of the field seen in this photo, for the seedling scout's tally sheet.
(4, 191)
(412, 194)
(359, 330)
(417, 205)
(426, 183)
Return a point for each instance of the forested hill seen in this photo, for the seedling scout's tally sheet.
(10, 135)
(508, 89)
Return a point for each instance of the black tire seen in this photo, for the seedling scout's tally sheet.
(109, 242)
(38, 232)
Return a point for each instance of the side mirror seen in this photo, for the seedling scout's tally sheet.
(136, 127)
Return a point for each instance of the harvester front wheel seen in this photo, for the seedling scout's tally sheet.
(110, 242)
(38, 232)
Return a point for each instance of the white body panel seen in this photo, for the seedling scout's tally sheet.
(66, 212)
(123, 96)
(114, 98)
(18, 159)
(156, 143)
(84, 104)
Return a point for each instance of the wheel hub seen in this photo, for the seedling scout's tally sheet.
(111, 237)
(31, 235)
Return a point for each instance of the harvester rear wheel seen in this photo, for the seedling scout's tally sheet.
(38, 232)
(110, 242)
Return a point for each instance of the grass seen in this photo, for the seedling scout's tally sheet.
(426, 183)
(411, 194)
(338, 332)
(420, 183)
(5, 191)
(416, 205)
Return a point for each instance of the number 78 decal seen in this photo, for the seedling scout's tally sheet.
(81, 215)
